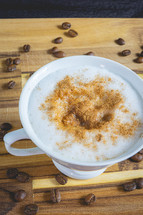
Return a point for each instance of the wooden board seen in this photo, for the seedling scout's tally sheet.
(96, 35)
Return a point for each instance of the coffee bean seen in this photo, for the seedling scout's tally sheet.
(129, 186)
(90, 199)
(11, 68)
(66, 25)
(11, 84)
(72, 33)
(6, 126)
(19, 195)
(139, 183)
(90, 53)
(126, 52)
(2, 133)
(120, 41)
(61, 179)
(58, 40)
(139, 60)
(59, 54)
(31, 209)
(16, 61)
(141, 54)
(137, 157)
(23, 177)
(141, 151)
(26, 48)
(12, 173)
(55, 196)
(9, 61)
(54, 49)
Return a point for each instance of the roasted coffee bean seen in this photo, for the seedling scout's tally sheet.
(26, 48)
(61, 179)
(11, 68)
(129, 186)
(120, 41)
(2, 133)
(141, 54)
(72, 33)
(54, 49)
(59, 54)
(141, 151)
(9, 61)
(23, 177)
(16, 61)
(137, 157)
(12, 173)
(6, 126)
(90, 53)
(11, 84)
(19, 195)
(139, 183)
(66, 25)
(126, 52)
(58, 40)
(55, 196)
(90, 199)
(139, 60)
(31, 209)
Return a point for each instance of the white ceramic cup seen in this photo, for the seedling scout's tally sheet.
(78, 170)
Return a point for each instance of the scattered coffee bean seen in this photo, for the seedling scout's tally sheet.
(90, 199)
(11, 84)
(54, 49)
(141, 54)
(137, 157)
(26, 48)
(9, 61)
(31, 209)
(12, 173)
(126, 52)
(19, 195)
(59, 54)
(6, 126)
(139, 183)
(55, 196)
(66, 25)
(61, 179)
(90, 53)
(16, 61)
(11, 68)
(58, 40)
(141, 151)
(139, 60)
(23, 177)
(129, 186)
(2, 133)
(72, 33)
(120, 41)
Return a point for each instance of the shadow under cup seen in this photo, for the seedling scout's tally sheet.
(78, 170)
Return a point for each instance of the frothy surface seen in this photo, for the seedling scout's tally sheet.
(63, 143)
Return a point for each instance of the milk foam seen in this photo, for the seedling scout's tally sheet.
(50, 135)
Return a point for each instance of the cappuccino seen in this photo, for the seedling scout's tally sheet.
(86, 114)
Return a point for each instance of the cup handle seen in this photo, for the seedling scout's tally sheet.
(14, 136)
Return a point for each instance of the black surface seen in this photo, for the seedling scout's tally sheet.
(68, 8)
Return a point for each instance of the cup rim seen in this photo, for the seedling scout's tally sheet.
(28, 128)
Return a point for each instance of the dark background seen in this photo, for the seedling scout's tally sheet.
(68, 8)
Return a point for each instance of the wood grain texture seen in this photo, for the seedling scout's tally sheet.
(97, 35)
(7, 203)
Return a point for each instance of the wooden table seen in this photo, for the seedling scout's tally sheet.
(95, 35)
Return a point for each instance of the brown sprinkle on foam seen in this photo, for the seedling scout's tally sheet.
(82, 107)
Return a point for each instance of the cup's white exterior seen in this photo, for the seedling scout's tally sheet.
(77, 170)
